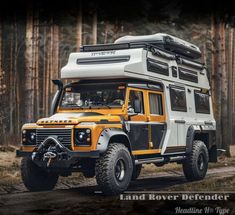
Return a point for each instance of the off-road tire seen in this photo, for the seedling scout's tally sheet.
(35, 178)
(192, 166)
(107, 169)
(136, 171)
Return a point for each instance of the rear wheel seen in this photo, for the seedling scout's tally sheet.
(136, 172)
(114, 169)
(35, 178)
(196, 164)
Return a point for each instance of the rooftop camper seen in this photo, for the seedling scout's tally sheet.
(140, 100)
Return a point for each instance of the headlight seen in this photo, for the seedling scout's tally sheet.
(32, 136)
(82, 137)
(29, 137)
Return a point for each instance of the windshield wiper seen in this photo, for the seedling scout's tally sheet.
(73, 105)
(98, 105)
(106, 106)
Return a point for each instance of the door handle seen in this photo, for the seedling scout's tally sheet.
(180, 121)
(208, 123)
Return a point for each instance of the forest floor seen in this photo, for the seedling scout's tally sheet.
(76, 192)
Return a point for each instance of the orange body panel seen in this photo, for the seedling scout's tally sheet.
(112, 116)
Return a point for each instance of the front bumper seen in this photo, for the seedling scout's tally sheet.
(52, 154)
(72, 154)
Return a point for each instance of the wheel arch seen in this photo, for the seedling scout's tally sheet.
(112, 135)
(206, 136)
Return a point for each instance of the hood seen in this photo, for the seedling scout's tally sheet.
(75, 118)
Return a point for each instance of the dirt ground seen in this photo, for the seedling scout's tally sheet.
(76, 193)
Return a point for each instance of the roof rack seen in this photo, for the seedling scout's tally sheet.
(166, 42)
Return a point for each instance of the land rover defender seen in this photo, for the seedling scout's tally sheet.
(140, 100)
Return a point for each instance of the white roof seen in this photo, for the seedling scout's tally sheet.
(131, 63)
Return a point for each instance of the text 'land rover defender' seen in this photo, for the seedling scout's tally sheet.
(141, 100)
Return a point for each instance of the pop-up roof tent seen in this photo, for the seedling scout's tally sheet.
(153, 57)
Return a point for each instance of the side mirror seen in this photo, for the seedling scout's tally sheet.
(137, 106)
(58, 83)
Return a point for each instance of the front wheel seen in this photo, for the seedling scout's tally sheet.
(196, 164)
(35, 178)
(114, 169)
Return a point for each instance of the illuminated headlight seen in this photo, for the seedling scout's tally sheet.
(32, 136)
(82, 137)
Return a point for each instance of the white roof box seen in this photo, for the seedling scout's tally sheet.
(130, 57)
(105, 64)
(166, 42)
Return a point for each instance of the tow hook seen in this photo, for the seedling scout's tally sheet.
(49, 156)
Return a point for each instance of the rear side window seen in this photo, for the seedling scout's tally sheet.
(178, 99)
(155, 103)
(202, 104)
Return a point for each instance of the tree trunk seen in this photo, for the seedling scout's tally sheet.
(218, 74)
(28, 67)
(79, 27)
(45, 72)
(94, 28)
(55, 54)
(230, 84)
(11, 82)
(106, 32)
(36, 63)
(1, 86)
(233, 74)
(224, 91)
(213, 74)
(204, 54)
(16, 84)
(1, 73)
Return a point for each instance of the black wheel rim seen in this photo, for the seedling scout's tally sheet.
(120, 170)
(201, 162)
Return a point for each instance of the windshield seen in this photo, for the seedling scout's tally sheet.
(108, 96)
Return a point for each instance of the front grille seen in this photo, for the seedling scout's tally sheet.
(63, 135)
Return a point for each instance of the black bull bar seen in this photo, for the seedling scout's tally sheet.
(52, 153)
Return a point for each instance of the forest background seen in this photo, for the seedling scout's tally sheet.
(36, 38)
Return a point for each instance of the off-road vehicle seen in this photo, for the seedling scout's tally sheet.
(140, 100)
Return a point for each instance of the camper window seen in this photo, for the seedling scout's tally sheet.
(178, 98)
(201, 102)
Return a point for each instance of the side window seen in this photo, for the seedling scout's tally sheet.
(201, 102)
(178, 99)
(135, 95)
(155, 104)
